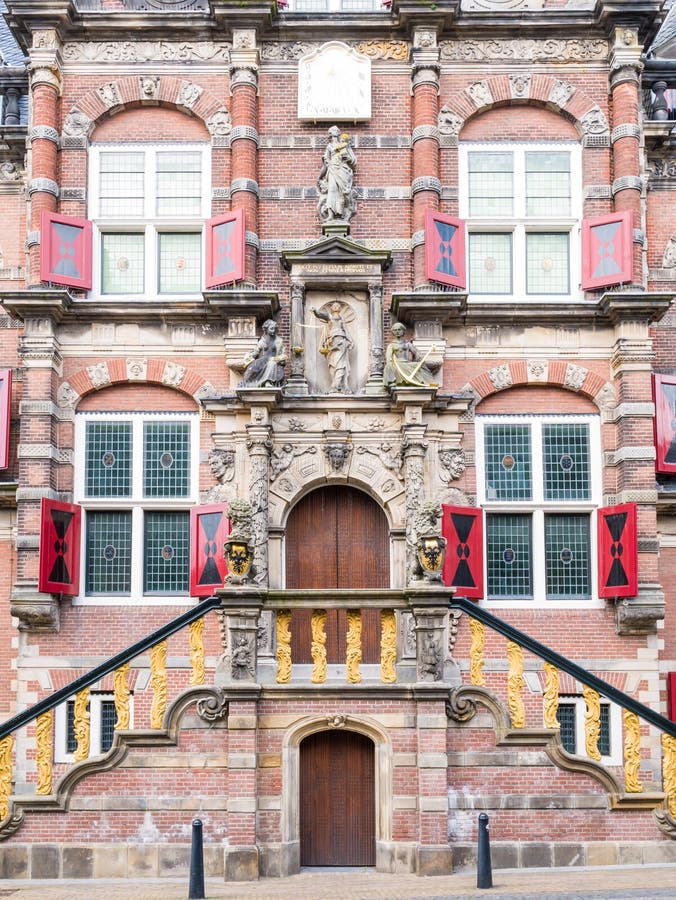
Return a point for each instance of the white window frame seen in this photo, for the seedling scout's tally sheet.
(149, 224)
(331, 6)
(538, 507)
(615, 758)
(518, 225)
(137, 504)
(96, 700)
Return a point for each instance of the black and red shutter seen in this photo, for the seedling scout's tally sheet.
(664, 395)
(445, 249)
(462, 526)
(225, 249)
(607, 250)
(209, 527)
(5, 405)
(66, 250)
(618, 551)
(59, 548)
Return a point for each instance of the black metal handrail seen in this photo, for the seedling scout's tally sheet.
(105, 668)
(561, 662)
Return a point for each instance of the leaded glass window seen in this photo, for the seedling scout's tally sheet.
(509, 556)
(547, 263)
(491, 183)
(567, 557)
(108, 459)
(179, 184)
(566, 463)
(108, 553)
(566, 716)
(571, 718)
(167, 550)
(547, 184)
(121, 184)
(180, 263)
(166, 459)
(508, 462)
(108, 720)
(122, 263)
(490, 263)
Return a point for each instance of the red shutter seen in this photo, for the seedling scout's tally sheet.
(664, 395)
(671, 695)
(66, 250)
(444, 249)
(462, 526)
(618, 551)
(209, 527)
(225, 249)
(5, 403)
(59, 548)
(607, 250)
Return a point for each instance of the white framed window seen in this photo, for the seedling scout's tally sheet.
(304, 6)
(571, 715)
(148, 203)
(539, 484)
(136, 480)
(102, 719)
(523, 205)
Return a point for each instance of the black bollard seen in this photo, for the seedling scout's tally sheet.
(484, 874)
(196, 889)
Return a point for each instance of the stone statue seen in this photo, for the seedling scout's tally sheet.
(403, 365)
(337, 199)
(242, 660)
(336, 345)
(265, 366)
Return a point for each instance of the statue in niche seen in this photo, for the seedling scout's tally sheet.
(265, 366)
(403, 365)
(337, 200)
(336, 344)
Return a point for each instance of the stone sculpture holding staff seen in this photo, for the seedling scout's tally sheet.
(336, 196)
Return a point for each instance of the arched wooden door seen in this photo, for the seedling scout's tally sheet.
(337, 800)
(337, 537)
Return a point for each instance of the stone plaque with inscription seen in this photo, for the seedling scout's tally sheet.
(334, 84)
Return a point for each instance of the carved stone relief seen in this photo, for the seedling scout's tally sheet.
(282, 457)
(451, 463)
(525, 50)
(337, 456)
(669, 258)
(326, 352)
(448, 122)
(594, 122)
(145, 51)
(222, 467)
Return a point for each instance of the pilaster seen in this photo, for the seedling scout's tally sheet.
(259, 444)
(297, 384)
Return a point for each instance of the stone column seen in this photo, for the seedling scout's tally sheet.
(625, 137)
(296, 386)
(244, 140)
(426, 184)
(415, 448)
(376, 351)
(45, 85)
(259, 445)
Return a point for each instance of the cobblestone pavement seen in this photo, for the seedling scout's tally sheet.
(612, 883)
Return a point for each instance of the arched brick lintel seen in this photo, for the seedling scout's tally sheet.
(543, 373)
(167, 90)
(163, 373)
(544, 91)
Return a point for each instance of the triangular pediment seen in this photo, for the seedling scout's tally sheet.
(336, 250)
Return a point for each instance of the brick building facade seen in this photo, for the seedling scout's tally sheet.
(170, 183)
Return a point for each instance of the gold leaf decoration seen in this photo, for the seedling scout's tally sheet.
(353, 655)
(283, 653)
(318, 649)
(197, 651)
(44, 751)
(6, 745)
(121, 696)
(388, 646)
(477, 633)
(550, 699)
(669, 771)
(515, 683)
(81, 722)
(632, 752)
(158, 682)
(592, 722)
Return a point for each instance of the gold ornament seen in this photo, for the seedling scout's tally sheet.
(388, 646)
(43, 739)
(632, 752)
(515, 683)
(121, 696)
(353, 655)
(158, 681)
(6, 745)
(550, 699)
(669, 772)
(318, 649)
(477, 633)
(283, 654)
(81, 721)
(197, 651)
(592, 722)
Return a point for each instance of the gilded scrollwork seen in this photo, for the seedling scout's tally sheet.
(353, 650)
(632, 752)
(121, 696)
(81, 723)
(669, 772)
(318, 648)
(158, 682)
(477, 633)
(197, 651)
(515, 683)
(550, 698)
(283, 652)
(6, 745)
(44, 751)
(592, 722)
(388, 646)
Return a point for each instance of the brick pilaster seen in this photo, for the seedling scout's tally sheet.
(244, 146)
(426, 184)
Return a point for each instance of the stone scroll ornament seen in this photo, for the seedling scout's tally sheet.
(264, 367)
(238, 549)
(337, 196)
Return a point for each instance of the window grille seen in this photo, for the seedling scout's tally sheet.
(166, 552)
(108, 459)
(508, 550)
(566, 463)
(108, 553)
(567, 557)
(166, 459)
(508, 462)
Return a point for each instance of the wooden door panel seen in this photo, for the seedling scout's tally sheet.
(337, 800)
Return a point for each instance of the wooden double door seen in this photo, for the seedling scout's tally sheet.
(337, 537)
